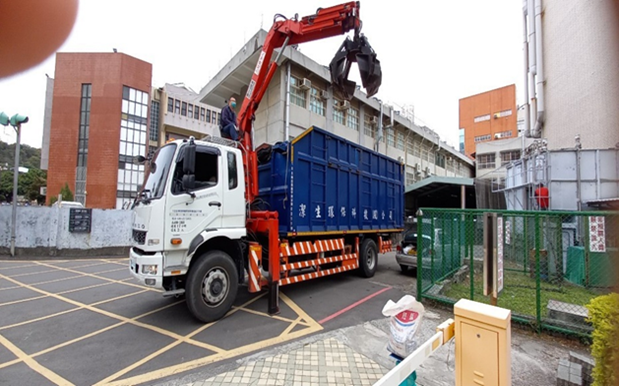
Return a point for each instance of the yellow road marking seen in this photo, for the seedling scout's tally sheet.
(22, 300)
(94, 333)
(172, 370)
(34, 365)
(9, 363)
(102, 278)
(304, 316)
(55, 269)
(17, 267)
(119, 317)
(38, 319)
(291, 326)
(281, 318)
(43, 282)
(176, 343)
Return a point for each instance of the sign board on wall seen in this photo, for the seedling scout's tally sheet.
(80, 220)
(597, 234)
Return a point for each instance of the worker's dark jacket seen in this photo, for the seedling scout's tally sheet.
(228, 116)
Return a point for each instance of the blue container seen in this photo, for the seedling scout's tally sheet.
(324, 184)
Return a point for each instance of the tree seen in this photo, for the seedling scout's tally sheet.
(67, 195)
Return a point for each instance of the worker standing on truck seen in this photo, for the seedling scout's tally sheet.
(228, 121)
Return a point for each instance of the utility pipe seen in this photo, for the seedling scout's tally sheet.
(539, 70)
(526, 132)
(287, 113)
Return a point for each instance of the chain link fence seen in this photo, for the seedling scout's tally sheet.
(554, 263)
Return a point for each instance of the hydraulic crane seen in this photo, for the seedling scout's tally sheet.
(326, 22)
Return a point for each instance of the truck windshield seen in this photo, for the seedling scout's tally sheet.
(157, 174)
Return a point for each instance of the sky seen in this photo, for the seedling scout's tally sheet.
(432, 53)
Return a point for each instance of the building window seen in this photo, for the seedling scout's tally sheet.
(352, 118)
(369, 128)
(232, 172)
(218, 118)
(297, 94)
(154, 121)
(202, 112)
(317, 104)
(482, 118)
(184, 109)
(170, 105)
(390, 137)
(486, 161)
(133, 142)
(338, 116)
(190, 110)
(509, 156)
(399, 140)
(82, 144)
(503, 134)
(196, 113)
(208, 115)
(439, 160)
(461, 140)
(504, 113)
(410, 144)
(177, 107)
(482, 138)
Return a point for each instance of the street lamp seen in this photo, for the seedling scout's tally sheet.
(15, 121)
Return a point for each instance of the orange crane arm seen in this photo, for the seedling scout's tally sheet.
(325, 23)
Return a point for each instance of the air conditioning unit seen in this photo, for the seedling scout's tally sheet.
(324, 95)
(374, 121)
(497, 135)
(306, 84)
(427, 171)
(417, 169)
(342, 105)
(497, 115)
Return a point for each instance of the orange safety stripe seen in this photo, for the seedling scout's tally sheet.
(314, 275)
(255, 254)
(307, 247)
(324, 260)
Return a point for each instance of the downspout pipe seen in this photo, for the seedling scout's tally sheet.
(287, 113)
(532, 65)
(527, 127)
(537, 132)
(379, 132)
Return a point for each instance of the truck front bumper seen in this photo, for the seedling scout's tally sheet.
(148, 269)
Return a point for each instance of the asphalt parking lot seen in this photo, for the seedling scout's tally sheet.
(87, 322)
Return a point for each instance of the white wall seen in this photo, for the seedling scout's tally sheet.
(581, 56)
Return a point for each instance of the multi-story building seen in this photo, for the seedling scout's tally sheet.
(300, 95)
(487, 116)
(573, 82)
(99, 123)
(492, 158)
(176, 113)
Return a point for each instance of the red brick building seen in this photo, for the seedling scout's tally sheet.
(488, 116)
(99, 123)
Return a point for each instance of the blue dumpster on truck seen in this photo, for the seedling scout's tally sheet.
(320, 183)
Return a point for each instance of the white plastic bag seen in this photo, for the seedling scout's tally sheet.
(405, 317)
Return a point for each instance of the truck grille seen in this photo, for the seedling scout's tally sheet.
(139, 237)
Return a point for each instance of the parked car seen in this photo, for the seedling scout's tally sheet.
(67, 204)
(407, 250)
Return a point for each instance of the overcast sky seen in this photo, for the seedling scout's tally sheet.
(432, 52)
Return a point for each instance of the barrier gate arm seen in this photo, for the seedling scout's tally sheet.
(397, 375)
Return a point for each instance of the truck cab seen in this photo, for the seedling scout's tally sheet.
(192, 202)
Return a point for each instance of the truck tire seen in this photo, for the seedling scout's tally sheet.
(211, 288)
(368, 258)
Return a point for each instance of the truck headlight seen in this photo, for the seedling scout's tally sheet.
(149, 269)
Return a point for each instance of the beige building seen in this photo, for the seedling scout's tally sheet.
(176, 113)
(573, 79)
(300, 96)
(492, 158)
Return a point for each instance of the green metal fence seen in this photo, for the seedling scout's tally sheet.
(554, 262)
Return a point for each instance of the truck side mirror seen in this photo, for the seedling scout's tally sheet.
(189, 182)
(189, 159)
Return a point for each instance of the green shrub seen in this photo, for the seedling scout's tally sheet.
(604, 316)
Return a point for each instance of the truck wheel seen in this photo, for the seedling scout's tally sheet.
(368, 258)
(211, 286)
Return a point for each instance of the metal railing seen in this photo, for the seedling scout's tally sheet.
(554, 262)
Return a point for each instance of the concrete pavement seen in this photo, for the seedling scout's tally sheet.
(357, 355)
